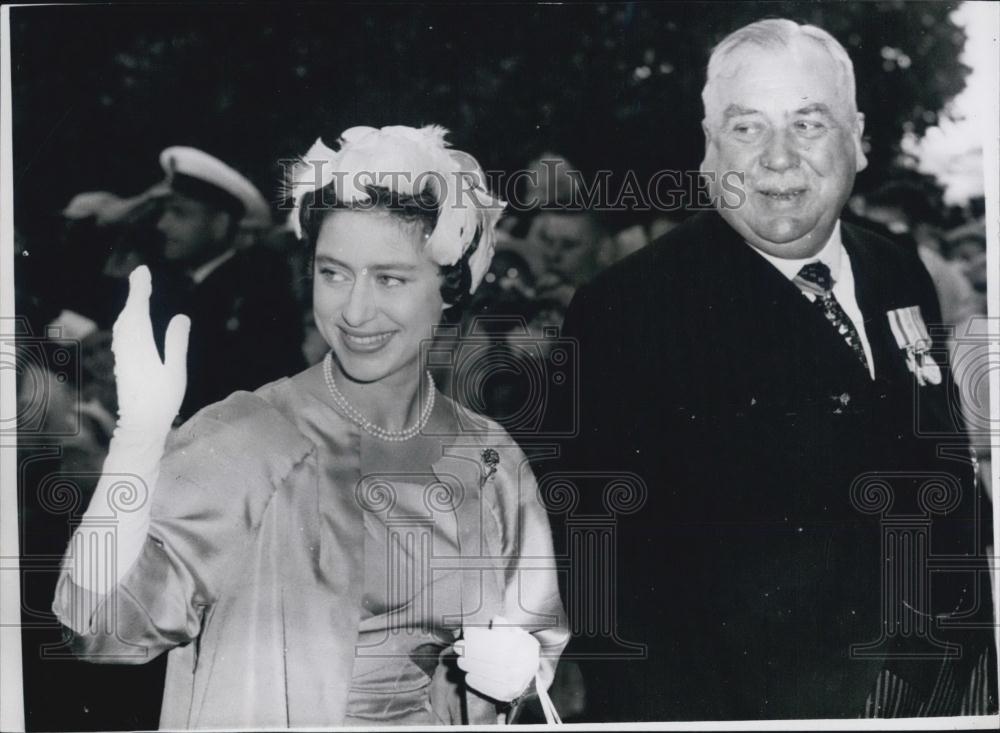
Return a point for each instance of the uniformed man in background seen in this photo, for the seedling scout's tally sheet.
(246, 324)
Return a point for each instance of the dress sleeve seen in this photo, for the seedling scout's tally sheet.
(216, 481)
(531, 592)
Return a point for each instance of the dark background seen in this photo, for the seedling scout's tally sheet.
(98, 91)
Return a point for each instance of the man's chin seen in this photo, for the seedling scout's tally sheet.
(787, 237)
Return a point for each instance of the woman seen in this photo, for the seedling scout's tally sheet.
(347, 546)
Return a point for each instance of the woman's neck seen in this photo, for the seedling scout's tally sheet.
(392, 403)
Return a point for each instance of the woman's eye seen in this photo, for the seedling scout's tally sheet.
(331, 275)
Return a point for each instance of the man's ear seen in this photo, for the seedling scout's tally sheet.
(708, 142)
(220, 225)
(860, 161)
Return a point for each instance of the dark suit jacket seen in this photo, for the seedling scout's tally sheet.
(247, 325)
(246, 328)
(749, 570)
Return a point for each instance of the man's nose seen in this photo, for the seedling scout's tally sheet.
(360, 303)
(161, 224)
(780, 153)
(552, 252)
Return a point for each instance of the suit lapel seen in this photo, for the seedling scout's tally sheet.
(792, 324)
(870, 281)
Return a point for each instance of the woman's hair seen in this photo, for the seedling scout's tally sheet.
(420, 210)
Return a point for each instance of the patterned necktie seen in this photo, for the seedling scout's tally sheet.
(815, 278)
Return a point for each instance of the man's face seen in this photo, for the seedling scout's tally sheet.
(569, 246)
(779, 118)
(193, 232)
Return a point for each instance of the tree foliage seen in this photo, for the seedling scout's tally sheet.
(99, 90)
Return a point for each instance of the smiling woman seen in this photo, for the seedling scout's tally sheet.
(338, 547)
(376, 291)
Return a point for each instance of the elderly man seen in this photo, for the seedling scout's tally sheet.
(763, 378)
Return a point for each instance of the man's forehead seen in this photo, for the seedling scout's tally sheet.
(801, 75)
(183, 201)
(565, 225)
(749, 61)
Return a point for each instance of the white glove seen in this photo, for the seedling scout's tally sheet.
(150, 393)
(500, 661)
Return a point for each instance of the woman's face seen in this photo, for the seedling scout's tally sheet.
(376, 294)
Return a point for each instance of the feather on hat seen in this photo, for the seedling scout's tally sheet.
(410, 161)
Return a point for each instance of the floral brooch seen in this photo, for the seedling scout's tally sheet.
(491, 459)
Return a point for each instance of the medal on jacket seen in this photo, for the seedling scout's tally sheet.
(911, 335)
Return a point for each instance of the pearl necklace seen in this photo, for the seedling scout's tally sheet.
(392, 436)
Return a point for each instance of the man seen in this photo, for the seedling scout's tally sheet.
(757, 376)
(246, 326)
(570, 243)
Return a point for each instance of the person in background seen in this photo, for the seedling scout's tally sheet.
(247, 323)
(965, 245)
(965, 248)
(573, 247)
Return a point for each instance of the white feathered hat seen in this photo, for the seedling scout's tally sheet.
(410, 161)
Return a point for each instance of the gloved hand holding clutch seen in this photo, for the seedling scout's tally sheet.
(500, 661)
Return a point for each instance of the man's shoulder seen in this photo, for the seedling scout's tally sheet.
(894, 264)
(677, 254)
(858, 235)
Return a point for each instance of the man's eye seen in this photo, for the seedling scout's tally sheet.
(810, 128)
(746, 129)
(390, 281)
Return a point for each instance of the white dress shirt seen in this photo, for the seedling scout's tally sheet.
(199, 274)
(834, 256)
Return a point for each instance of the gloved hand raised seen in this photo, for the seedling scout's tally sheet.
(500, 661)
(150, 391)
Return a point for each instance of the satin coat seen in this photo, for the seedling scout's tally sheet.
(251, 575)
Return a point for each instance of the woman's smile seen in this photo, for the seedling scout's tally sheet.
(365, 343)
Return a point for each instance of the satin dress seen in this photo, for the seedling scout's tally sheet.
(410, 613)
(300, 572)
